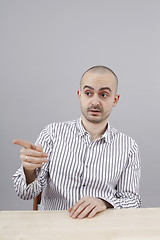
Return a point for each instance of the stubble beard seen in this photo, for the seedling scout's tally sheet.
(94, 119)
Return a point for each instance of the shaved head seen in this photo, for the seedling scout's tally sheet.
(100, 70)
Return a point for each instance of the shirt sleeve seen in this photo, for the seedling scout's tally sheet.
(127, 189)
(33, 189)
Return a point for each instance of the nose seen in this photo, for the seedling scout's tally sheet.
(95, 101)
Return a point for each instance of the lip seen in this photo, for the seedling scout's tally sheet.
(95, 112)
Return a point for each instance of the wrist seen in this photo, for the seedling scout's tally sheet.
(108, 205)
(30, 175)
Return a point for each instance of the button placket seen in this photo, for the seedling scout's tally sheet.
(85, 167)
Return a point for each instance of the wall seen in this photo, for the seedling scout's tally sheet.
(46, 46)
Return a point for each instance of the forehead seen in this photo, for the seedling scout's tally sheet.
(98, 80)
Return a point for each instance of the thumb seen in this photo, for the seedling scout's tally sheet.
(39, 148)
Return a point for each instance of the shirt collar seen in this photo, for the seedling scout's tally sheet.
(80, 128)
(107, 135)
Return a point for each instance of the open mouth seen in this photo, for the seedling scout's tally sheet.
(94, 111)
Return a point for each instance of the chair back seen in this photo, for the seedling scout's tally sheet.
(36, 201)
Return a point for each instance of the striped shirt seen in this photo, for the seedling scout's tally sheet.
(106, 168)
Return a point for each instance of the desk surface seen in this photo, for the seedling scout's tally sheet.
(111, 224)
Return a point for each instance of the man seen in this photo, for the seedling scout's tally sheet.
(85, 166)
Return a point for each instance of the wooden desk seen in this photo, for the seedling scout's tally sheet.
(111, 224)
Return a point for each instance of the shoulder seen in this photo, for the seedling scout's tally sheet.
(54, 129)
(60, 126)
(123, 138)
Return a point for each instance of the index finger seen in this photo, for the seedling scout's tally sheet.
(24, 144)
(76, 205)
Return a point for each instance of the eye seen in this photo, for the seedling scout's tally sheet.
(104, 95)
(88, 93)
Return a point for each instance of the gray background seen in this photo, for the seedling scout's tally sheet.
(45, 46)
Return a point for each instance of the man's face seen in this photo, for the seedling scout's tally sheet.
(97, 96)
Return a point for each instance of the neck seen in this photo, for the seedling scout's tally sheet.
(94, 129)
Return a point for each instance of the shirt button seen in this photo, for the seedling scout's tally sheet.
(84, 185)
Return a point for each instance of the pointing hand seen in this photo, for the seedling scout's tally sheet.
(31, 156)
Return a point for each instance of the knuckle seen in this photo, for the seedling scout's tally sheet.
(39, 154)
(21, 151)
(29, 166)
(74, 208)
(94, 211)
(42, 154)
(95, 202)
(80, 209)
(89, 208)
(97, 209)
(22, 157)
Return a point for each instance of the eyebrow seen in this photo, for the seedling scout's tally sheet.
(101, 89)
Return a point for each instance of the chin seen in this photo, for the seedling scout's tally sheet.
(94, 120)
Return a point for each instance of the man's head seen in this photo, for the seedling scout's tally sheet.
(101, 70)
(98, 93)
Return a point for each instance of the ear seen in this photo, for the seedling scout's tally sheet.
(79, 94)
(116, 99)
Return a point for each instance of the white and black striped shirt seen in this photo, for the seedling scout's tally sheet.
(106, 168)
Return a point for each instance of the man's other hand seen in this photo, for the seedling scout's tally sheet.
(87, 206)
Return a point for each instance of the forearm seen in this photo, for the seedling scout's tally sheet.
(127, 189)
(28, 190)
(128, 200)
(30, 175)
(121, 199)
(125, 200)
